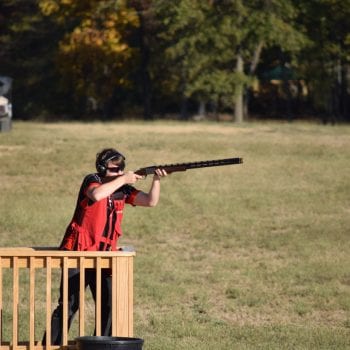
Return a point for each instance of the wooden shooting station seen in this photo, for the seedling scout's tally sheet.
(43, 264)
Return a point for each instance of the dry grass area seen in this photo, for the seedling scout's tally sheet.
(251, 256)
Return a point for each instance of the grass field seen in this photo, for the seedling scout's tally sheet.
(251, 256)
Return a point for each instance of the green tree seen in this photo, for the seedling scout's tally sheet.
(146, 78)
(179, 23)
(325, 62)
(26, 54)
(214, 46)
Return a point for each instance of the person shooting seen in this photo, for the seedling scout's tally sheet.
(96, 226)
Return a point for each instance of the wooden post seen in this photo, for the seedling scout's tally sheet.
(48, 301)
(81, 296)
(98, 297)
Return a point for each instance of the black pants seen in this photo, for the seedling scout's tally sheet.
(73, 302)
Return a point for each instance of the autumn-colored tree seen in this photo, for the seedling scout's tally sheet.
(94, 57)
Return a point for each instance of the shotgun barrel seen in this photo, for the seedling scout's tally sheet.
(172, 168)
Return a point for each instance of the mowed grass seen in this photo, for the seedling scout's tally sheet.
(251, 256)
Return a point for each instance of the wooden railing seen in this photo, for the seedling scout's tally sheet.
(42, 266)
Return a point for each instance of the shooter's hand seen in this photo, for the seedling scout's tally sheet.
(159, 173)
(131, 178)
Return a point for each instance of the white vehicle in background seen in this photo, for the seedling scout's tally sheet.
(5, 107)
(5, 103)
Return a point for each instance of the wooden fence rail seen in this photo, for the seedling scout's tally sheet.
(45, 261)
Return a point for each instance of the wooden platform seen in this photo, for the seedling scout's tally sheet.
(46, 260)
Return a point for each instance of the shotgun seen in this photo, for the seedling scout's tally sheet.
(172, 168)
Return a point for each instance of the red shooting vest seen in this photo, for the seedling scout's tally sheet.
(97, 225)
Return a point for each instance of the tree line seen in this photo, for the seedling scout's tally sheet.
(114, 58)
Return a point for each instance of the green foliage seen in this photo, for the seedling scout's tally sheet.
(116, 53)
(26, 55)
(324, 61)
(204, 38)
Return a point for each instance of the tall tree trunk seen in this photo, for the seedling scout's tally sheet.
(184, 108)
(146, 80)
(252, 70)
(201, 109)
(144, 46)
(256, 58)
(238, 99)
(184, 99)
(344, 92)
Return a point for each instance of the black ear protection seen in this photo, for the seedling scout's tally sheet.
(102, 161)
